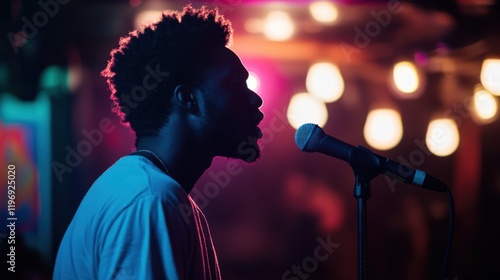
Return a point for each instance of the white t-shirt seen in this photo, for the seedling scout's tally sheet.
(135, 222)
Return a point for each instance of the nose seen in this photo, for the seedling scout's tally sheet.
(256, 101)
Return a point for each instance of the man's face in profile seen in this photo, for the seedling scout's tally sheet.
(231, 110)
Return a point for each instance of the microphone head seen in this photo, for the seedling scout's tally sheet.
(308, 137)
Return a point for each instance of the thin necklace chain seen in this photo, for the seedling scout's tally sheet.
(157, 157)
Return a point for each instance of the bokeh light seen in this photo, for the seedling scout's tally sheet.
(442, 137)
(405, 77)
(325, 82)
(485, 105)
(323, 11)
(278, 26)
(490, 75)
(253, 82)
(304, 108)
(383, 129)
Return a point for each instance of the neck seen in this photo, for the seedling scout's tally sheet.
(184, 164)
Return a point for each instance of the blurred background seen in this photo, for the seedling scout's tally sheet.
(415, 81)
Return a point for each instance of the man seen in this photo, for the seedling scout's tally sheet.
(184, 94)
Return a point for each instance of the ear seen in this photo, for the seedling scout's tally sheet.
(186, 97)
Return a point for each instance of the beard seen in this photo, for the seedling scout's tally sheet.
(248, 150)
(230, 141)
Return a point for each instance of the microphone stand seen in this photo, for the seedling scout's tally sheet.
(365, 166)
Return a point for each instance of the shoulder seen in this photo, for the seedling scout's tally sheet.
(131, 182)
(136, 174)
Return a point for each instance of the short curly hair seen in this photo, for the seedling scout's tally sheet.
(175, 50)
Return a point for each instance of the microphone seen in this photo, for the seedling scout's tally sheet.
(311, 138)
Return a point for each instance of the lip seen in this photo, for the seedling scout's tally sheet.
(258, 117)
(259, 133)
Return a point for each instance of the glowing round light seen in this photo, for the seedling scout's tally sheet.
(278, 26)
(490, 75)
(304, 108)
(485, 105)
(253, 82)
(405, 77)
(323, 11)
(325, 82)
(442, 137)
(145, 17)
(383, 129)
